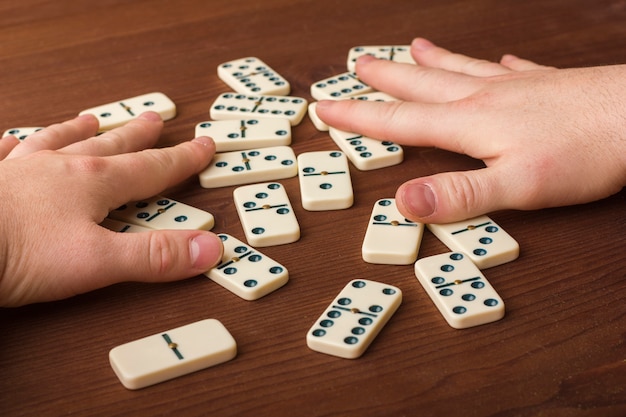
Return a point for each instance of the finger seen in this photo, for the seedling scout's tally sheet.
(409, 123)
(134, 176)
(453, 196)
(7, 143)
(518, 64)
(414, 82)
(426, 53)
(140, 133)
(57, 136)
(156, 256)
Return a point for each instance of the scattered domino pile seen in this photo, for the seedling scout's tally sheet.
(251, 127)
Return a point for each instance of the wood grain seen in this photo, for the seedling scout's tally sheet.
(560, 350)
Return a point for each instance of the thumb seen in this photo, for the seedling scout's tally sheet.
(165, 255)
(451, 196)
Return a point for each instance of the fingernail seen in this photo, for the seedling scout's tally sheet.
(324, 104)
(150, 116)
(203, 140)
(366, 59)
(206, 251)
(419, 199)
(422, 44)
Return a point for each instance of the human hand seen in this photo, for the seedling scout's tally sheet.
(57, 186)
(548, 137)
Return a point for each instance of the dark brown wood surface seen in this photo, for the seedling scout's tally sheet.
(560, 350)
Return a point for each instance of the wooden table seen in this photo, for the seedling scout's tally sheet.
(560, 350)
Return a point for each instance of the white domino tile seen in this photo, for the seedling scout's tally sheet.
(246, 272)
(251, 75)
(460, 291)
(118, 113)
(354, 318)
(325, 182)
(249, 166)
(390, 238)
(172, 353)
(484, 241)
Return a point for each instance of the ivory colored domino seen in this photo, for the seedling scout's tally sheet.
(172, 353)
(339, 87)
(246, 272)
(485, 242)
(118, 113)
(366, 153)
(236, 135)
(266, 214)
(249, 166)
(354, 318)
(238, 106)
(396, 53)
(21, 132)
(460, 291)
(390, 238)
(250, 75)
(163, 213)
(325, 182)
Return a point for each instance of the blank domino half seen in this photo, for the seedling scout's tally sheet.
(390, 238)
(172, 353)
(118, 113)
(460, 291)
(354, 318)
(247, 272)
(486, 243)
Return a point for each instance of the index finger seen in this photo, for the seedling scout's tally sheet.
(140, 175)
(408, 123)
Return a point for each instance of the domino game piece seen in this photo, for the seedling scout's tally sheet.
(486, 243)
(459, 290)
(122, 227)
(266, 214)
(118, 113)
(317, 122)
(236, 135)
(163, 213)
(339, 87)
(353, 320)
(246, 272)
(396, 53)
(21, 132)
(390, 238)
(172, 353)
(252, 76)
(237, 106)
(244, 167)
(367, 153)
(325, 182)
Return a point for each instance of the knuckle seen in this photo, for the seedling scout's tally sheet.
(162, 254)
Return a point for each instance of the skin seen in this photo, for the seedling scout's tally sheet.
(548, 137)
(60, 183)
